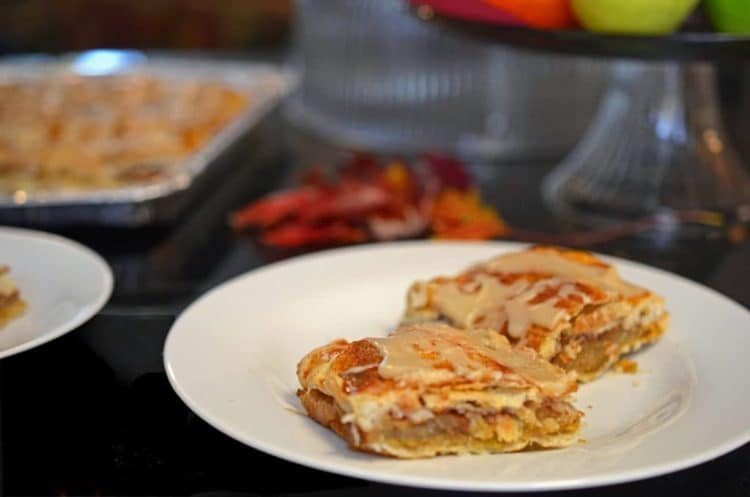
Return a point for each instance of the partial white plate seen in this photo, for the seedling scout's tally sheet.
(63, 283)
(231, 357)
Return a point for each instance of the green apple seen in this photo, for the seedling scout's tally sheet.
(730, 16)
(644, 17)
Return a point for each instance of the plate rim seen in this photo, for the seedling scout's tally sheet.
(420, 481)
(97, 260)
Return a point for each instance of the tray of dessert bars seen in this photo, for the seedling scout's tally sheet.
(123, 138)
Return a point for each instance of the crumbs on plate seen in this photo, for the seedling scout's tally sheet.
(626, 366)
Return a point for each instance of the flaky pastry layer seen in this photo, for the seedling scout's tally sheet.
(432, 389)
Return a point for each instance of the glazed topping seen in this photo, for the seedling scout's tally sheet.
(533, 288)
(516, 306)
(434, 352)
(480, 304)
(533, 307)
(553, 262)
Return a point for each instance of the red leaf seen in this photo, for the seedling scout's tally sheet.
(348, 201)
(293, 235)
(450, 172)
(273, 208)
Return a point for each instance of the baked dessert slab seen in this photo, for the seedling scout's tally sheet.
(70, 133)
(11, 304)
(571, 307)
(431, 389)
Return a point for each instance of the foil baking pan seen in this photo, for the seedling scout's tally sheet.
(163, 200)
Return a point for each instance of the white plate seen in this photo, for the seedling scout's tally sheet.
(231, 357)
(63, 283)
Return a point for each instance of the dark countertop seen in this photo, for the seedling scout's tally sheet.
(92, 413)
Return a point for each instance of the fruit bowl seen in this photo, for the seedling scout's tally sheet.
(697, 38)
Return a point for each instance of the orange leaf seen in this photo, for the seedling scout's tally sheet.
(461, 215)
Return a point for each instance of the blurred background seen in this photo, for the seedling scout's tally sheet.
(71, 25)
(373, 75)
(593, 134)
